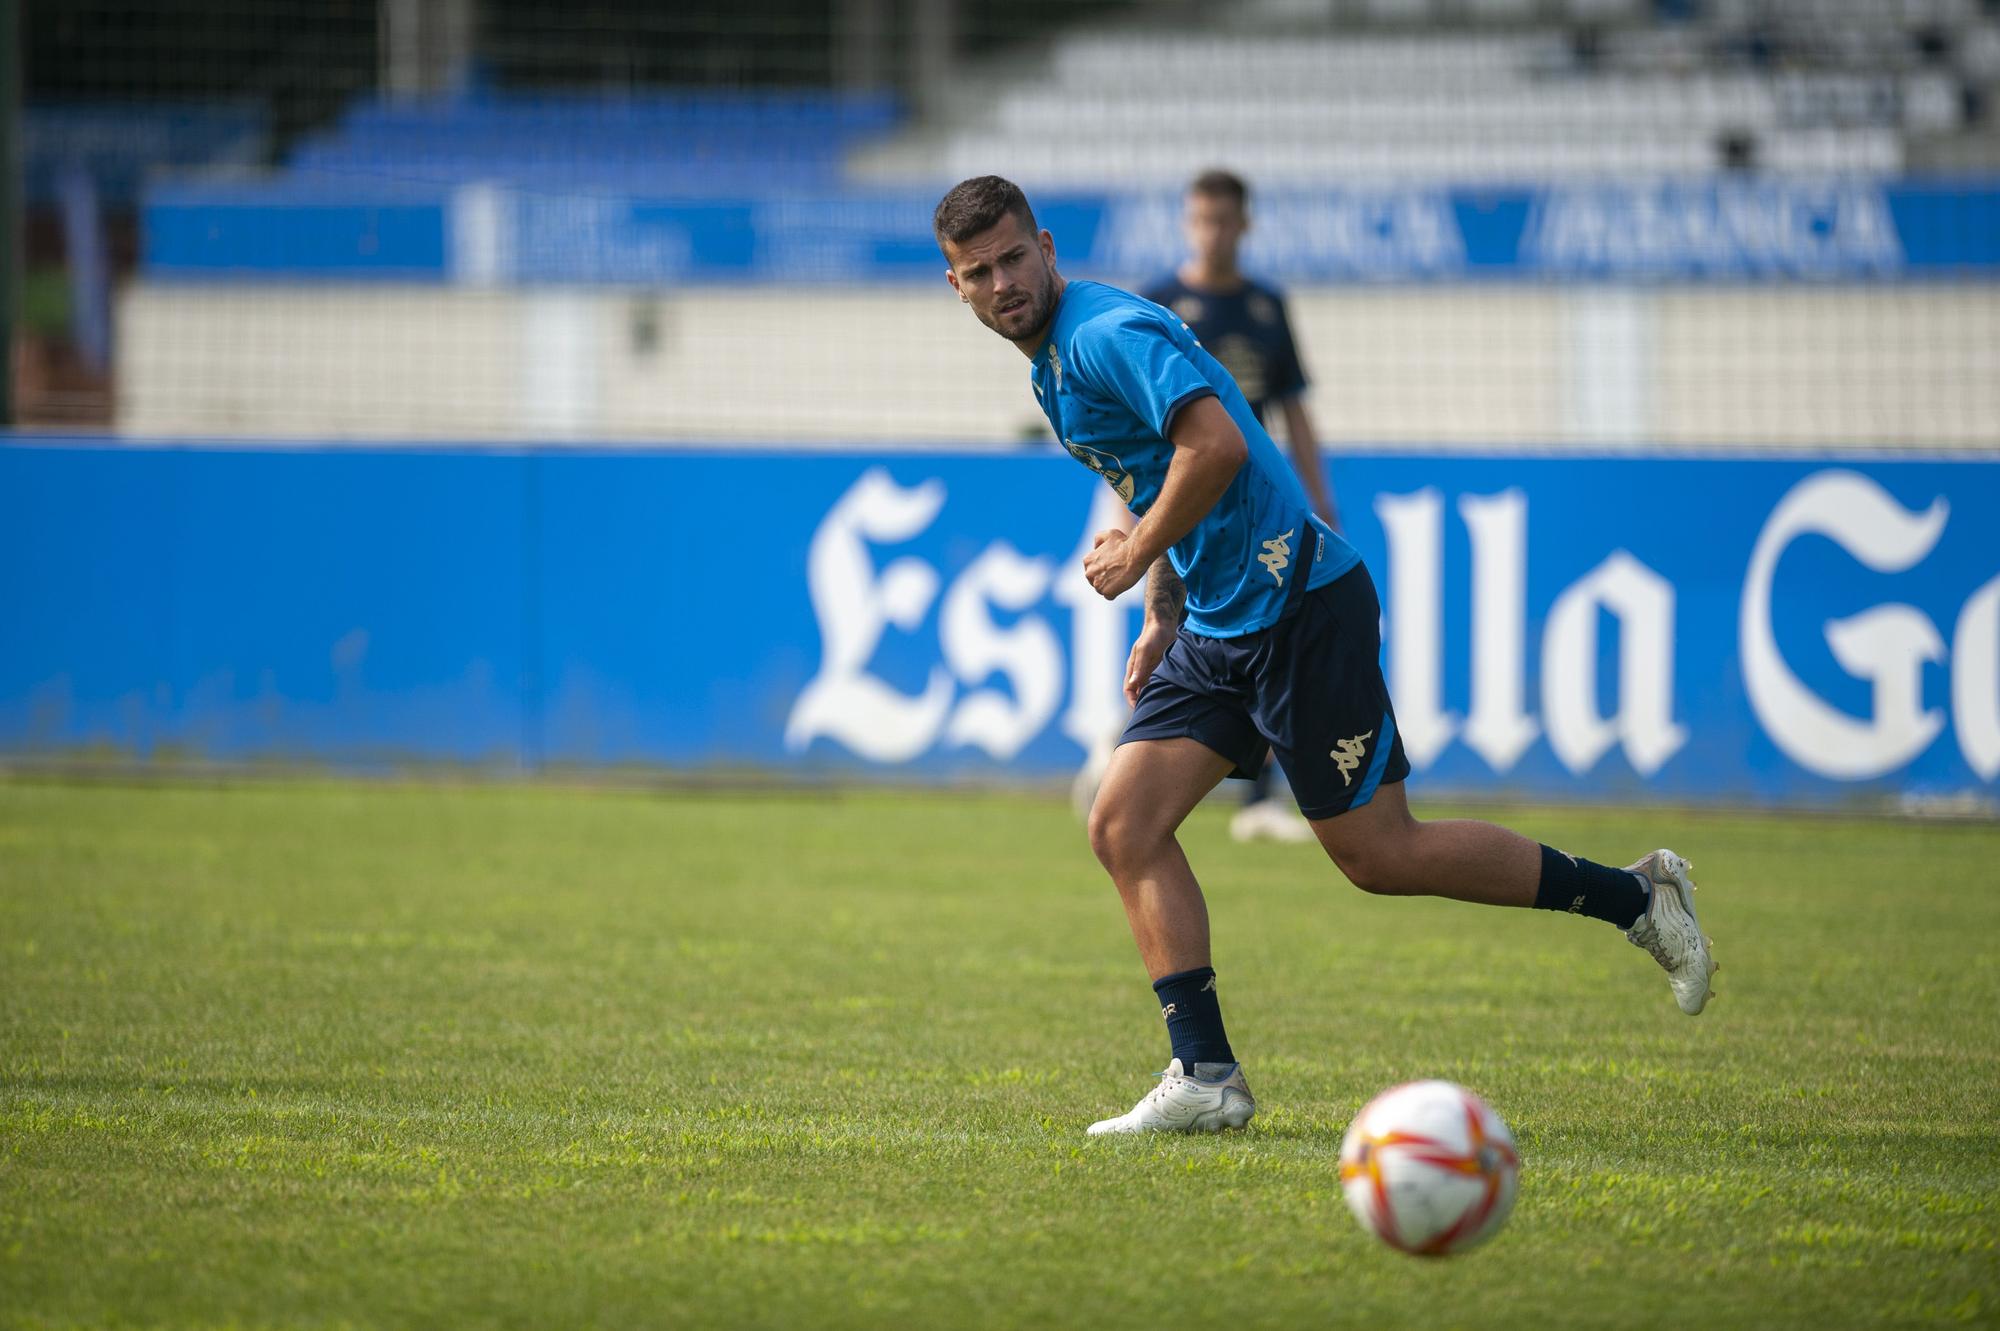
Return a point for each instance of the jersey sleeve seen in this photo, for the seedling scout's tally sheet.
(1288, 374)
(1133, 361)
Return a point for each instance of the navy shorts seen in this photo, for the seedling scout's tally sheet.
(1310, 688)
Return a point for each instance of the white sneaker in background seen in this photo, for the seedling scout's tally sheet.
(1271, 820)
(1083, 786)
(1188, 1103)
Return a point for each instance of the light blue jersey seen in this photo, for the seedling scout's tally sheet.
(1110, 377)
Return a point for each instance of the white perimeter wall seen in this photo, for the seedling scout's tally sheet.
(1862, 366)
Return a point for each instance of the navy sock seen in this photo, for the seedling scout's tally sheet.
(1583, 887)
(1194, 1017)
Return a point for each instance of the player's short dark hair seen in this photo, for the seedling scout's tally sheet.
(1219, 184)
(974, 205)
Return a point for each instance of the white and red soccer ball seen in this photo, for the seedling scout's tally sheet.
(1429, 1169)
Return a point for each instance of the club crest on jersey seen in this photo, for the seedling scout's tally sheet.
(1105, 465)
(1346, 756)
(1277, 556)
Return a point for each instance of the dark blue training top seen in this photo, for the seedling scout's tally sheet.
(1246, 330)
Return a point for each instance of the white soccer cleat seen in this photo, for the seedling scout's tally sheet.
(1670, 931)
(1271, 820)
(1182, 1103)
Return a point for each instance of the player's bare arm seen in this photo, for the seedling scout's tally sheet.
(1208, 452)
(1166, 596)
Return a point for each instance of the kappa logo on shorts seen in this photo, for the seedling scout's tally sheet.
(1277, 556)
(1346, 756)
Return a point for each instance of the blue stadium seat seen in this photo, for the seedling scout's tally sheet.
(684, 142)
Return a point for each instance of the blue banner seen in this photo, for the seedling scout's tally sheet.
(1806, 630)
(1738, 230)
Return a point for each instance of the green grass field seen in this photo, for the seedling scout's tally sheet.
(320, 1055)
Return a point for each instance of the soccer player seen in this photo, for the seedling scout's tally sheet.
(1260, 630)
(1243, 325)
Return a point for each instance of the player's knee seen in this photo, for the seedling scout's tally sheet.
(1106, 831)
(1375, 869)
(1365, 873)
(1118, 834)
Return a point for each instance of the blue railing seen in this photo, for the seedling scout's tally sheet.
(1716, 230)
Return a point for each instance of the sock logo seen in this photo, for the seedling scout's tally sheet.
(1167, 1012)
(1209, 988)
(1346, 756)
(1576, 907)
(1277, 556)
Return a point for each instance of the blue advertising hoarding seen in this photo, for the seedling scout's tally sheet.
(1750, 229)
(1798, 630)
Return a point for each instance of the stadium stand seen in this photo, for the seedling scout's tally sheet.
(1792, 86)
(697, 142)
(119, 146)
(1596, 223)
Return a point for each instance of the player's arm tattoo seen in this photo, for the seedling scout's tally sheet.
(1166, 594)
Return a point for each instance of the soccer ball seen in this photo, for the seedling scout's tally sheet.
(1429, 1169)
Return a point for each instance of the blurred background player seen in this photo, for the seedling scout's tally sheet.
(1242, 323)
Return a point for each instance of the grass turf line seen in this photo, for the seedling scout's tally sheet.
(402, 1056)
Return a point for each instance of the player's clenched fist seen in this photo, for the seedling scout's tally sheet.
(1110, 566)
